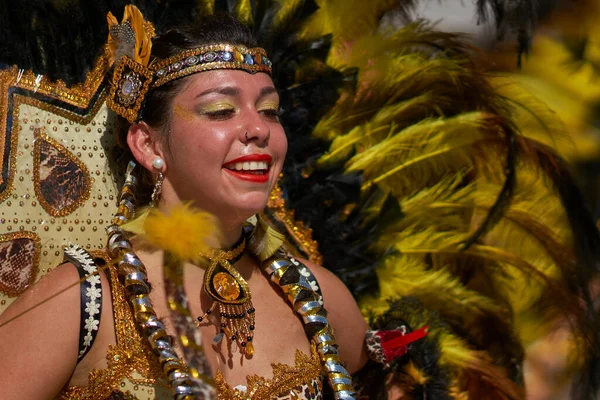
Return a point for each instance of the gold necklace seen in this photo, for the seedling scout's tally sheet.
(231, 295)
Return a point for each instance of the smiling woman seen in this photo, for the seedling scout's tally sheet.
(406, 177)
(199, 113)
(203, 123)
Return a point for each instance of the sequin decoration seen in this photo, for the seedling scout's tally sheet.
(19, 257)
(61, 180)
(302, 381)
(76, 118)
(301, 235)
(132, 369)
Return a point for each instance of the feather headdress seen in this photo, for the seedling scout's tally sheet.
(429, 199)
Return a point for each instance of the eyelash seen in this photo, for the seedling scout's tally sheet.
(270, 113)
(273, 113)
(220, 114)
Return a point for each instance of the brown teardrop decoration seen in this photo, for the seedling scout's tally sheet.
(19, 261)
(62, 182)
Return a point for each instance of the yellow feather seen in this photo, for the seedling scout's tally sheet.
(455, 351)
(265, 240)
(137, 225)
(416, 374)
(243, 12)
(424, 152)
(184, 232)
(346, 18)
(527, 252)
(286, 10)
(205, 7)
(533, 117)
(565, 80)
(401, 276)
(143, 36)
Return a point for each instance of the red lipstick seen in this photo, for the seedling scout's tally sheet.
(250, 176)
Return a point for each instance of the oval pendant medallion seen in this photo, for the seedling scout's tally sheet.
(226, 286)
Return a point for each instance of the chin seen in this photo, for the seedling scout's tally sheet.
(243, 208)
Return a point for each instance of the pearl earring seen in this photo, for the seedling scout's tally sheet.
(158, 163)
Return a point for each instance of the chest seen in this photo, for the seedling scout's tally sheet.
(278, 332)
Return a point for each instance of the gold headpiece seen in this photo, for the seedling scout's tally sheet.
(133, 77)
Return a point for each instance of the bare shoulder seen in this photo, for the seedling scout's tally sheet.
(344, 316)
(39, 335)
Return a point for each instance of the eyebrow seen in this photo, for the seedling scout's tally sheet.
(226, 90)
(266, 91)
(234, 91)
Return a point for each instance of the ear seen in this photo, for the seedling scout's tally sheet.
(145, 145)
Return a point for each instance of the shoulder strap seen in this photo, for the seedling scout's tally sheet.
(91, 297)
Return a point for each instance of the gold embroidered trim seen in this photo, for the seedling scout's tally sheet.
(302, 235)
(6, 80)
(131, 354)
(78, 95)
(61, 112)
(129, 71)
(285, 379)
(40, 136)
(191, 61)
(12, 164)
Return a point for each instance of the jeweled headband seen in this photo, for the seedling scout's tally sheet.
(133, 77)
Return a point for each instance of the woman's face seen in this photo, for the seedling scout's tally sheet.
(226, 146)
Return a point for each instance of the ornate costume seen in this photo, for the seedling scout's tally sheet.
(406, 176)
(133, 370)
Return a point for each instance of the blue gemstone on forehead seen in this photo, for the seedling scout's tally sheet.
(227, 56)
(249, 59)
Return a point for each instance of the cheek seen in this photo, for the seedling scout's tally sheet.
(199, 149)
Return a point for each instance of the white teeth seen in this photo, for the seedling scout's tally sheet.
(250, 166)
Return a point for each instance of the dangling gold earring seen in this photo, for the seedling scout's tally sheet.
(157, 189)
(158, 164)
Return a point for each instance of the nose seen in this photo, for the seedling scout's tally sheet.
(257, 130)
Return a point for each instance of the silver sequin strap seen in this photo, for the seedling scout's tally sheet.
(303, 292)
(91, 297)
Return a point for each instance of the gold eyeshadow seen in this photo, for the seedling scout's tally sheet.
(270, 105)
(215, 107)
(183, 113)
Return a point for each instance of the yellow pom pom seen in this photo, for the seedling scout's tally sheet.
(137, 225)
(184, 232)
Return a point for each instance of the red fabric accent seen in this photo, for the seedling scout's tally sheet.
(395, 344)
